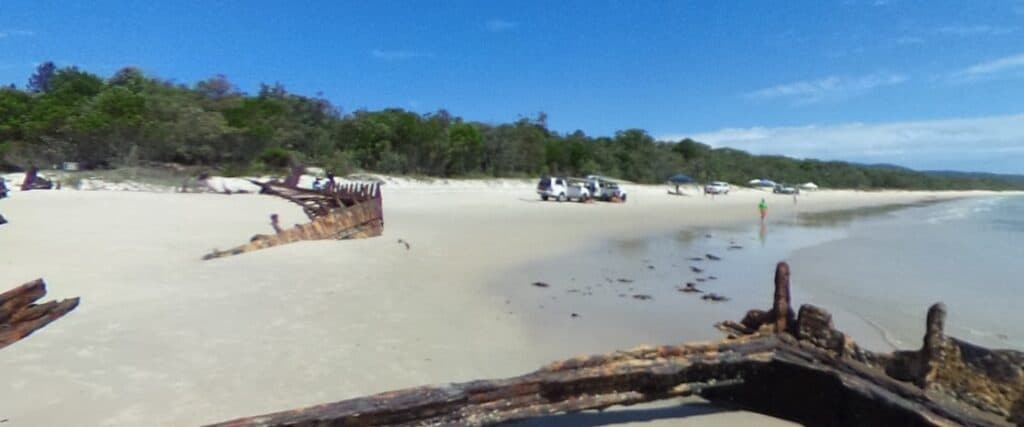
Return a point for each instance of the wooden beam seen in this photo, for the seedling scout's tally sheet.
(20, 316)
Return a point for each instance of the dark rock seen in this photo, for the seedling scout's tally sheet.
(541, 284)
(642, 297)
(714, 297)
(696, 269)
(713, 257)
(690, 288)
(621, 280)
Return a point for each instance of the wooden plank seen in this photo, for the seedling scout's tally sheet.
(20, 316)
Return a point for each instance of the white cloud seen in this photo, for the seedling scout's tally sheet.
(499, 25)
(1002, 67)
(1001, 64)
(396, 55)
(830, 88)
(994, 143)
(974, 30)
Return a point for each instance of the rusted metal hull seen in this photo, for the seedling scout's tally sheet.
(356, 222)
(20, 316)
(793, 367)
(349, 211)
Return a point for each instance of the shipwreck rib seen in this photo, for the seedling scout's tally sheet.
(339, 212)
(20, 316)
(793, 367)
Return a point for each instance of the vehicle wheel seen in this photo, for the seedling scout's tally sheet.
(544, 198)
(561, 197)
(623, 198)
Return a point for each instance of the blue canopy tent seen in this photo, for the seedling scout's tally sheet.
(678, 180)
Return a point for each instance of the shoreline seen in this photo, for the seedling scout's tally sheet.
(927, 254)
(600, 279)
(161, 335)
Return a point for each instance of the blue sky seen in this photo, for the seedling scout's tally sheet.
(925, 84)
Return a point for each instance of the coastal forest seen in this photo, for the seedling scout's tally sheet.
(131, 119)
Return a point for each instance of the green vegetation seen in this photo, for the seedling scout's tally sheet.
(131, 119)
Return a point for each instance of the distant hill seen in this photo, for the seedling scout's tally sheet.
(1011, 179)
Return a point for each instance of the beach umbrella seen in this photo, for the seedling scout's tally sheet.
(680, 179)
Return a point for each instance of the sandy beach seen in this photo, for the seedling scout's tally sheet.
(163, 338)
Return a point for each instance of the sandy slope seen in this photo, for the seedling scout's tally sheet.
(162, 338)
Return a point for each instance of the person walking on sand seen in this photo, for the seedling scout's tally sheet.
(763, 207)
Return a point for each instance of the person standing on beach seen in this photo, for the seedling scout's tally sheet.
(763, 207)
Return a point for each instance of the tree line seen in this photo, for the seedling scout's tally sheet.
(130, 119)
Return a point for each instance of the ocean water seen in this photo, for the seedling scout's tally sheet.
(891, 265)
(877, 270)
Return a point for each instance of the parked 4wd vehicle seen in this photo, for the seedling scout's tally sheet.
(605, 190)
(717, 187)
(562, 189)
(785, 189)
(577, 190)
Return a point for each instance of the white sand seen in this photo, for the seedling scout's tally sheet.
(162, 338)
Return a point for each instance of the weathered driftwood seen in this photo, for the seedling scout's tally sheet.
(338, 212)
(20, 316)
(793, 367)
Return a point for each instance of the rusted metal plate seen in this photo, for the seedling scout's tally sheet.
(339, 212)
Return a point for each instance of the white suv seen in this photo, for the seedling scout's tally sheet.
(717, 187)
(562, 189)
(603, 189)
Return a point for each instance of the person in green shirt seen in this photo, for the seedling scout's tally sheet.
(763, 207)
